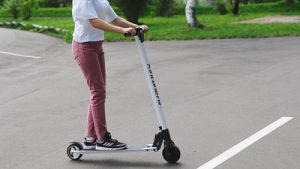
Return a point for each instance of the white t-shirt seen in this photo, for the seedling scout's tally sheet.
(82, 11)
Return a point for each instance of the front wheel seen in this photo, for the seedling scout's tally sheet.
(74, 146)
(171, 152)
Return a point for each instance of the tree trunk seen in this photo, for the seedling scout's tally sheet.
(164, 8)
(290, 2)
(211, 2)
(190, 13)
(132, 9)
(222, 8)
(236, 7)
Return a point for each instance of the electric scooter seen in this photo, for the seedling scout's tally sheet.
(171, 152)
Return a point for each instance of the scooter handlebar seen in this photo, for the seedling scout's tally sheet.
(139, 32)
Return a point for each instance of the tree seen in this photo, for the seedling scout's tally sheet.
(210, 2)
(190, 13)
(290, 2)
(221, 6)
(132, 9)
(164, 8)
(235, 9)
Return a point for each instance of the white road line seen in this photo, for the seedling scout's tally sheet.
(15, 54)
(244, 144)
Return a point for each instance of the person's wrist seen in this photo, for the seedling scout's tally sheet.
(122, 30)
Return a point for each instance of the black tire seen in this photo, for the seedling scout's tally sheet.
(171, 152)
(74, 146)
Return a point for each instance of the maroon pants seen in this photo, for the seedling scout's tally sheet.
(90, 58)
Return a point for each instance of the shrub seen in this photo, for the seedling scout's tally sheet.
(1, 2)
(26, 7)
(13, 7)
(54, 3)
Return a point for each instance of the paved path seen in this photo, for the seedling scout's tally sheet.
(215, 93)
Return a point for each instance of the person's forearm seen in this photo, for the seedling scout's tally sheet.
(123, 23)
(100, 24)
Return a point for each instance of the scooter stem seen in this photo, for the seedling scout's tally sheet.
(151, 84)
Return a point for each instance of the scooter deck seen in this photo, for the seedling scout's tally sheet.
(148, 147)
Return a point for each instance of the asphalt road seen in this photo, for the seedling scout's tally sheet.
(215, 93)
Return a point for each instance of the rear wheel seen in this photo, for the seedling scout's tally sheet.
(171, 152)
(74, 146)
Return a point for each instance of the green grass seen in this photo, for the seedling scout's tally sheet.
(217, 26)
(43, 12)
(179, 9)
(49, 12)
(278, 7)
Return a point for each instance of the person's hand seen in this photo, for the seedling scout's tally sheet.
(128, 30)
(145, 28)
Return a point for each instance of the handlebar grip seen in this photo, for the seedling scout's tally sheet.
(127, 34)
(139, 32)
